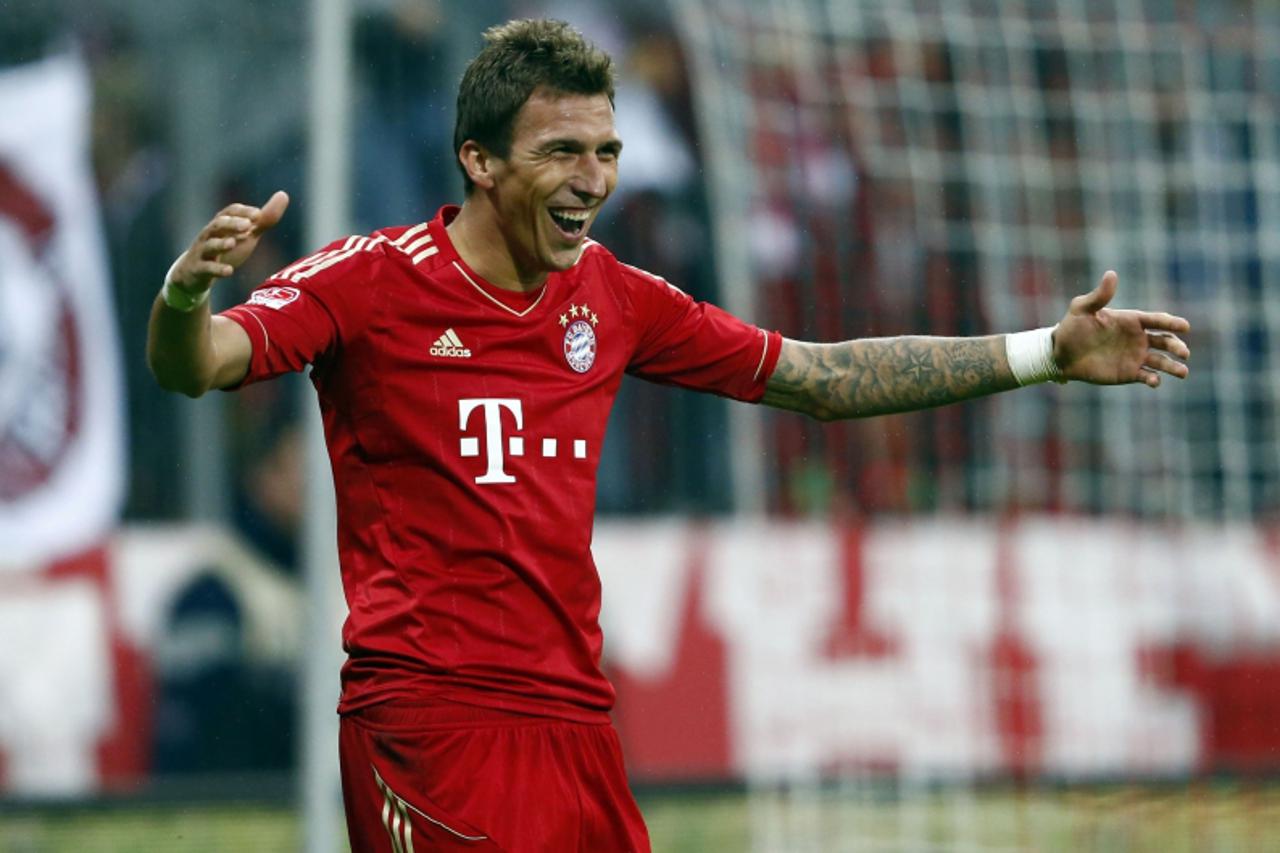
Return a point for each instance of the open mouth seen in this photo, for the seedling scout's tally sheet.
(570, 223)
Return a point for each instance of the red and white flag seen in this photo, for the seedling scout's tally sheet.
(61, 412)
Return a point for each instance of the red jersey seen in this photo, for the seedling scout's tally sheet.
(464, 424)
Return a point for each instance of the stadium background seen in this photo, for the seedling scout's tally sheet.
(1049, 620)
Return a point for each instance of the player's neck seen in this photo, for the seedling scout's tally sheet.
(473, 233)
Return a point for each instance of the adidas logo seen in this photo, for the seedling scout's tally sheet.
(450, 345)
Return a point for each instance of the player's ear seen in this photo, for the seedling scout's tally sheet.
(478, 162)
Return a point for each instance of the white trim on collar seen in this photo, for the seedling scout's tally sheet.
(504, 306)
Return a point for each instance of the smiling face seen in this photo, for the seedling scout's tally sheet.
(546, 193)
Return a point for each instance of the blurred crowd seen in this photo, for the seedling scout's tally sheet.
(407, 59)
(196, 107)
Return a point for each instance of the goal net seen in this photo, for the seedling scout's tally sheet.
(882, 167)
(958, 168)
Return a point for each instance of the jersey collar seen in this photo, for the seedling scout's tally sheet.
(518, 304)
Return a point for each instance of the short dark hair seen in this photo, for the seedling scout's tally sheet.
(518, 57)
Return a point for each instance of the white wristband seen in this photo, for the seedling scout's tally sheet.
(1030, 356)
(180, 298)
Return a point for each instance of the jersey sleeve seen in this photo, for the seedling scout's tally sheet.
(696, 345)
(303, 313)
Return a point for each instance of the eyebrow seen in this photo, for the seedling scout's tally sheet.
(614, 145)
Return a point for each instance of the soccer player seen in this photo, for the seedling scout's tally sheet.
(465, 367)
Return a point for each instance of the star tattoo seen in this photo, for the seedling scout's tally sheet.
(919, 365)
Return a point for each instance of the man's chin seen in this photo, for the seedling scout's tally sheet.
(561, 259)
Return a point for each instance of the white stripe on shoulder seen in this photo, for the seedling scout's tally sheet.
(409, 234)
(335, 258)
(315, 258)
(302, 264)
(425, 253)
(417, 244)
(352, 247)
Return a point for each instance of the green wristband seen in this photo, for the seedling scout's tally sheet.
(180, 298)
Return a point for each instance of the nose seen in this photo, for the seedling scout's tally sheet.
(592, 180)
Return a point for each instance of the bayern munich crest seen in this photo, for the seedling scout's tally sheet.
(580, 345)
(580, 337)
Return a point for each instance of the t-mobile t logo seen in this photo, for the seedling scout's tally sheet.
(496, 449)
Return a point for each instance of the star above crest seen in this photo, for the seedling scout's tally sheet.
(575, 311)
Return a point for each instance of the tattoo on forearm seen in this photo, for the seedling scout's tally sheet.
(876, 376)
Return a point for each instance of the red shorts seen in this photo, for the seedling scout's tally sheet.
(454, 777)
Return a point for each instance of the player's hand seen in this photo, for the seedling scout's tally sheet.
(225, 243)
(1109, 346)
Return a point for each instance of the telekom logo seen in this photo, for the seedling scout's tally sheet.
(500, 443)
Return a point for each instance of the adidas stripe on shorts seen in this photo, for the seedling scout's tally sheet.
(444, 776)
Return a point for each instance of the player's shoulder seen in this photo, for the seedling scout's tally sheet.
(337, 261)
(596, 258)
(354, 255)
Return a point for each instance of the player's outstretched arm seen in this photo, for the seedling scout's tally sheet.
(876, 376)
(188, 349)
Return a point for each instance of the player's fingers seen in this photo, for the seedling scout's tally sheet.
(1165, 322)
(246, 210)
(1098, 298)
(1170, 343)
(215, 246)
(1149, 377)
(217, 269)
(223, 225)
(1159, 361)
(271, 212)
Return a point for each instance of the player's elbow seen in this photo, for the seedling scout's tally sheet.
(826, 414)
(187, 387)
(828, 411)
(177, 381)
(192, 391)
(808, 406)
(820, 409)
